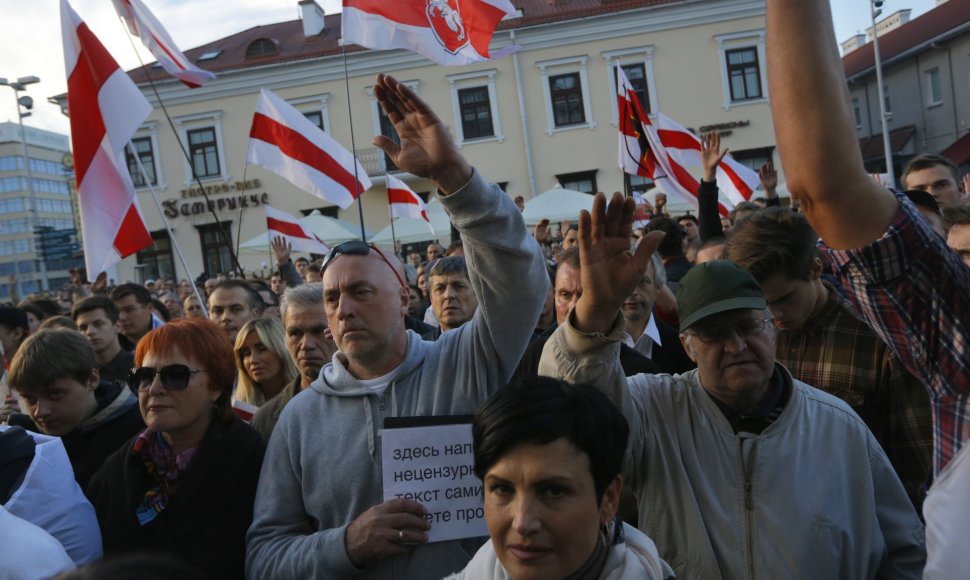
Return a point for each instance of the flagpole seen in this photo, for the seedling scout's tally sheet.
(393, 236)
(353, 144)
(168, 228)
(218, 225)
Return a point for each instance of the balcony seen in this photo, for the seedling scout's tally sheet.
(375, 162)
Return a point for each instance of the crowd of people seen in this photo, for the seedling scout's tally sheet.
(779, 393)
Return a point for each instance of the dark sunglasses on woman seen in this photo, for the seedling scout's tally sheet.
(174, 377)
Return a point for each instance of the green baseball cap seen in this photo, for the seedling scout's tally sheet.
(714, 287)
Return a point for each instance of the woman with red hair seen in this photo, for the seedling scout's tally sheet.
(184, 487)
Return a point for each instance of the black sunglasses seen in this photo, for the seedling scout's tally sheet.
(174, 377)
(357, 248)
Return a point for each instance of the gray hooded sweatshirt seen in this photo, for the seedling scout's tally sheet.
(323, 465)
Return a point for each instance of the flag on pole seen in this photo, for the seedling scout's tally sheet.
(143, 24)
(643, 153)
(643, 212)
(280, 223)
(736, 181)
(402, 202)
(285, 142)
(449, 32)
(106, 110)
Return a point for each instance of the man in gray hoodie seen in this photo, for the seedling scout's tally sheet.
(319, 509)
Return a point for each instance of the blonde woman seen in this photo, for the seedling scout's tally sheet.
(263, 362)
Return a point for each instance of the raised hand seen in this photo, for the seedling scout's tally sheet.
(387, 529)
(609, 270)
(542, 234)
(427, 149)
(769, 179)
(282, 250)
(711, 154)
(660, 201)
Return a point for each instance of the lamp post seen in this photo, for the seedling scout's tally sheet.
(28, 103)
(887, 147)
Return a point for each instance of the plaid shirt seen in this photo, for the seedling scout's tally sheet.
(914, 292)
(841, 355)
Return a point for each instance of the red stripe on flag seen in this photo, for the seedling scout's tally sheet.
(94, 66)
(287, 228)
(132, 236)
(168, 52)
(739, 183)
(409, 12)
(400, 196)
(480, 19)
(294, 145)
(678, 140)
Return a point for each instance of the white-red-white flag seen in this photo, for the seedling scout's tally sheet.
(402, 202)
(642, 151)
(736, 181)
(285, 142)
(280, 223)
(449, 32)
(143, 24)
(643, 211)
(106, 110)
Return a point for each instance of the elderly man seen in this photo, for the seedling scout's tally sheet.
(305, 325)
(741, 471)
(452, 297)
(232, 303)
(897, 272)
(319, 510)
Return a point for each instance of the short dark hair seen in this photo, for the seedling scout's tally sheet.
(301, 259)
(688, 217)
(743, 206)
(672, 245)
(926, 161)
(540, 410)
(92, 303)
(958, 215)
(773, 240)
(571, 257)
(48, 306)
(448, 266)
(255, 300)
(141, 294)
(161, 309)
(454, 246)
(49, 355)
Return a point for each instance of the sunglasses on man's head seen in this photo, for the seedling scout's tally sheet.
(357, 248)
(174, 377)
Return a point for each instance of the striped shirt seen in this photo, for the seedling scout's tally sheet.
(914, 292)
(840, 354)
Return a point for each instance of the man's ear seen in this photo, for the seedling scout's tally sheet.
(405, 299)
(816, 269)
(93, 379)
(688, 348)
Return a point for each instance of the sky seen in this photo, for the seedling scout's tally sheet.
(30, 37)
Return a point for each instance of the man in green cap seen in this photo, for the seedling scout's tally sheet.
(740, 470)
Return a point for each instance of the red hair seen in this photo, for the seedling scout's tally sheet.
(203, 341)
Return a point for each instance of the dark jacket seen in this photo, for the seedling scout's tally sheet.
(117, 369)
(633, 362)
(426, 331)
(209, 511)
(670, 356)
(264, 421)
(116, 420)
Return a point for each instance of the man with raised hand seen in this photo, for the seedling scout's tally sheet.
(741, 471)
(897, 272)
(319, 510)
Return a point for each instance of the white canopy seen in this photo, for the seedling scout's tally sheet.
(332, 231)
(556, 205)
(412, 230)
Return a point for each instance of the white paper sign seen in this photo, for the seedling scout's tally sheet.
(434, 465)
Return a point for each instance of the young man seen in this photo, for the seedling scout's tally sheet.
(935, 175)
(452, 297)
(96, 318)
(824, 344)
(135, 313)
(957, 220)
(232, 303)
(57, 377)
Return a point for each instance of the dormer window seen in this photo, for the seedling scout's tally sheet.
(262, 47)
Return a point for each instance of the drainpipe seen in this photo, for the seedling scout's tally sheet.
(523, 119)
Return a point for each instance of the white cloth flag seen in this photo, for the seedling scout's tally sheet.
(106, 110)
(280, 223)
(285, 142)
(143, 24)
(403, 202)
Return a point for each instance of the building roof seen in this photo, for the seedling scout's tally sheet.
(958, 151)
(873, 148)
(944, 18)
(292, 45)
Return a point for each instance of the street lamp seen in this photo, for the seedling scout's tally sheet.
(24, 104)
(887, 147)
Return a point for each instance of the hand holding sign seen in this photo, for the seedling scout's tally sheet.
(387, 529)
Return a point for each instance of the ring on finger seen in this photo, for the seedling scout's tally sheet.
(400, 535)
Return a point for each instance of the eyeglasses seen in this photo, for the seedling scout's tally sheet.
(357, 248)
(174, 377)
(744, 329)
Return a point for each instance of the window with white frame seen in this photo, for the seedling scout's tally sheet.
(475, 107)
(315, 108)
(857, 112)
(934, 91)
(742, 59)
(202, 136)
(887, 101)
(566, 89)
(140, 149)
(383, 126)
(637, 65)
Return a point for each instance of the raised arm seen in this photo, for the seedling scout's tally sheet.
(708, 219)
(814, 128)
